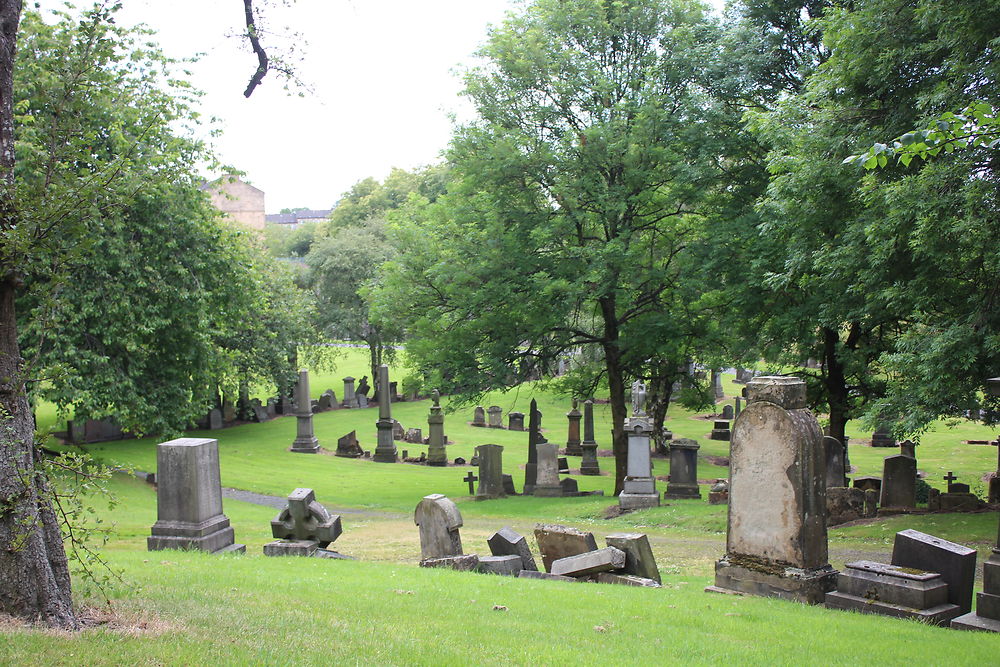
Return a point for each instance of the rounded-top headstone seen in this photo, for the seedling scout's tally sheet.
(786, 392)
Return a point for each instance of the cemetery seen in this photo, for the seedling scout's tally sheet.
(671, 353)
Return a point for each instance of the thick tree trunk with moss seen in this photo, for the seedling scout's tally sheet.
(34, 574)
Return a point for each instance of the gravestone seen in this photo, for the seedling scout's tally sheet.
(882, 437)
(717, 390)
(189, 499)
(348, 447)
(490, 472)
(987, 614)
(302, 527)
(727, 412)
(515, 421)
(845, 504)
(683, 470)
(891, 590)
(350, 400)
(495, 414)
(398, 432)
(868, 482)
(394, 392)
(591, 562)
(508, 485)
(739, 407)
(720, 430)
(639, 560)
(531, 467)
(563, 465)
(76, 430)
(439, 520)
(214, 419)
(286, 406)
(385, 448)
(908, 448)
(436, 454)
(505, 542)
(326, 400)
(719, 493)
(640, 487)
(570, 487)
(414, 436)
(102, 430)
(305, 440)
(776, 535)
(574, 416)
(956, 563)
(228, 411)
(556, 541)
(479, 417)
(899, 482)
(471, 480)
(272, 408)
(589, 465)
(547, 480)
(503, 565)
(834, 454)
(259, 412)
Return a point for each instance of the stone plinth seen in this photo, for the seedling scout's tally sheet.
(683, 469)
(589, 464)
(350, 400)
(890, 590)
(987, 614)
(436, 442)
(640, 487)
(490, 472)
(189, 498)
(573, 435)
(385, 448)
(955, 563)
(439, 520)
(776, 537)
(305, 440)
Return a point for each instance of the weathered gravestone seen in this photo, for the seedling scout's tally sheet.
(556, 541)
(102, 430)
(490, 472)
(327, 400)
(439, 520)
(414, 436)
(882, 437)
(348, 447)
(508, 485)
(228, 411)
(436, 454)
(547, 481)
(776, 538)
(495, 414)
(385, 448)
(515, 421)
(640, 486)
(589, 465)
(189, 499)
(891, 590)
(503, 565)
(833, 451)
(272, 408)
(727, 412)
(260, 413)
(908, 448)
(398, 432)
(955, 563)
(479, 417)
(214, 419)
(505, 542)
(683, 470)
(305, 440)
(639, 560)
(899, 482)
(868, 482)
(845, 504)
(591, 562)
(574, 416)
(717, 385)
(303, 527)
(350, 400)
(720, 430)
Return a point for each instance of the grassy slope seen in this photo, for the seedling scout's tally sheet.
(365, 611)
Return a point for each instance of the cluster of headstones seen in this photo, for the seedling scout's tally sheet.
(567, 554)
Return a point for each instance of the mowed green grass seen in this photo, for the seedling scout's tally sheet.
(191, 608)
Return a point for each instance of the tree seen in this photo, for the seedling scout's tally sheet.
(575, 195)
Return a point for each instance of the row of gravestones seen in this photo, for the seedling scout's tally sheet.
(567, 554)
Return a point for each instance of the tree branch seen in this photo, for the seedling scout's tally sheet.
(258, 76)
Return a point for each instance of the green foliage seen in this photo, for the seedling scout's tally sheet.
(281, 241)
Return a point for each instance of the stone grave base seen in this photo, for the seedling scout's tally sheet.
(890, 590)
(973, 621)
(634, 501)
(305, 446)
(681, 491)
(547, 491)
(718, 497)
(939, 615)
(213, 536)
(809, 586)
(462, 563)
(305, 548)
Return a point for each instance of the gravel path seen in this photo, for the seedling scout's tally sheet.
(280, 503)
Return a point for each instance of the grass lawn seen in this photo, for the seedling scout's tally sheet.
(190, 608)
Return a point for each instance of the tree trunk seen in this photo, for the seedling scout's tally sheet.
(616, 389)
(658, 397)
(835, 383)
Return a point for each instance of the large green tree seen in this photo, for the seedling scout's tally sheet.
(576, 194)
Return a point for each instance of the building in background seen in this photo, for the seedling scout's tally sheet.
(239, 201)
(293, 220)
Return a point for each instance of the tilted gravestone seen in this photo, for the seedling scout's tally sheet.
(302, 527)
(189, 499)
(591, 562)
(556, 541)
(956, 563)
(776, 541)
(348, 447)
(505, 542)
(573, 442)
(490, 472)
(683, 469)
(639, 558)
(305, 439)
(439, 520)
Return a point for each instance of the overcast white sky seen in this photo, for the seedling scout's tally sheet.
(383, 74)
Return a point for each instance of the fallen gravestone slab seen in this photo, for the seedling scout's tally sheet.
(503, 565)
(463, 563)
(592, 562)
(955, 563)
(535, 574)
(625, 580)
(556, 541)
(303, 527)
(505, 542)
(639, 560)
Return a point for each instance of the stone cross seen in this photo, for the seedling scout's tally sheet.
(471, 479)
(306, 519)
(949, 478)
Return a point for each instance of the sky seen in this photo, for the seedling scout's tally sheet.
(383, 78)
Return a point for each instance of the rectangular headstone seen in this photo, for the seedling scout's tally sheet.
(956, 563)
(639, 558)
(899, 482)
(505, 542)
(556, 541)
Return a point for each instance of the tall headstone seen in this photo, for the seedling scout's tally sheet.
(189, 499)
(589, 464)
(739, 407)
(495, 414)
(515, 421)
(531, 467)
(439, 520)
(350, 400)
(436, 454)
(717, 390)
(479, 417)
(573, 445)
(490, 472)
(640, 486)
(899, 482)
(683, 469)
(302, 527)
(833, 450)
(547, 481)
(776, 538)
(385, 449)
(305, 439)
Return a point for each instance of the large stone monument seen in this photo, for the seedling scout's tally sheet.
(589, 465)
(439, 520)
(573, 445)
(303, 527)
(350, 400)
(776, 539)
(534, 437)
(683, 469)
(189, 499)
(436, 454)
(490, 472)
(547, 479)
(385, 449)
(305, 440)
(640, 487)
